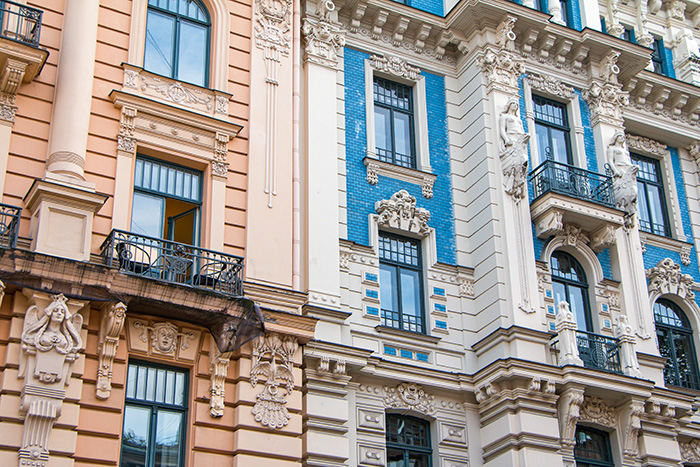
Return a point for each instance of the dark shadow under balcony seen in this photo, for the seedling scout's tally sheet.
(20, 23)
(599, 352)
(173, 262)
(582, 184)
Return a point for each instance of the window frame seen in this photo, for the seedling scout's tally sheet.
(197, 228)
(155, 407)
(657, 164)
(408, 448)
(674, 332)
(178, 19)
(584, 286)
(607, 448)
(566, 128)
(393, 157)
(658, 57)
(421, 138)
(398, 266)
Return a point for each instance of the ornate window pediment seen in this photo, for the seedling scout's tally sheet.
(400, 213)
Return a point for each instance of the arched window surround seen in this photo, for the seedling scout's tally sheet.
(690, 311)
(219, 39)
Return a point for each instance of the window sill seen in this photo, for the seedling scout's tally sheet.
(375, 167)
(682, 248)
(416, 336)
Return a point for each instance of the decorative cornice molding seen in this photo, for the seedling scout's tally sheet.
(647, 145)
(550, 85)
(394, 66)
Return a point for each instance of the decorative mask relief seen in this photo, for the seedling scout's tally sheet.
(666, 277)
(502, 66)
(273, 362)
(163, 339)
(400, 212)
(513, 150)
(410, 396)
(50, 345)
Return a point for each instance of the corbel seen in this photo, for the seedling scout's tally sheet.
(677, 104)
(218, 369)
(399, 30)
(357, 14)
(546, 43)
(562, 51)
(110, 328)
(529, 39)
(379, 22)
(421, 37)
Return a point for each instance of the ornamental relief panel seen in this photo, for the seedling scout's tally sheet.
(163, 339)
(409, 396)
(594, 410)
(667, 278)
(400, 212)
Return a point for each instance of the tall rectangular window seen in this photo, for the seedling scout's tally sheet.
(552, 131)
(651, 202)
(400, 281)
(407, 441)
(167, 200)
(658, 57)
(393, 122)
(155, 417)
(592, 448)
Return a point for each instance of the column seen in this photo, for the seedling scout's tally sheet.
(324, 38)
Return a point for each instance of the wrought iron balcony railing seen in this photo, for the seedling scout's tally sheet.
(578, 183)
(173, 262)
(600, 352)
(20, 23)
(9, 225)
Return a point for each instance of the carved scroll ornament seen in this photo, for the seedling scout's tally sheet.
(666, 277)
(400, 212)
(410, 396)
(273, 362)
(112, 324)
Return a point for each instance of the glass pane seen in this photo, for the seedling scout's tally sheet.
(578, 307)
(170, 388)
(402, 133)
(394, 458)
(559, 290)
(192, 56)
(657, 212)
(410, 292)
(131, 382)
(147, 215)
(160, 386)
(160, 33)
(141, 388)
(179, 389)
(382, 133)
(135, 436)
(151, 386)
(417, 460)
(545, 152)
(560, 151)
(643, 208)
(168, 429)
(388, 286)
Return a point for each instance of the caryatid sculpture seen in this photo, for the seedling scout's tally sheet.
(624, 175)
(513, 150)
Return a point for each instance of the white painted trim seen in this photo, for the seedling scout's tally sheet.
(582, 253)
(219, 42)
(420, 115)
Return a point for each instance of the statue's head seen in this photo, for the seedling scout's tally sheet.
(57, 311)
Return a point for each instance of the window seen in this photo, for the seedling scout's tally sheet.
(651, 202)
(565, 11)
(592, 448)
(628, 35)
(675, 337)
(407, 441)
(177, 40)
(570, 285)
(167, 200)
(393, 122)
(401, 292)
(658, 58)
(155, 416)
(552, 131)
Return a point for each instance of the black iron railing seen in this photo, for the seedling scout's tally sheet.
(20, 22)
(600, 352)
(9, 225)
(572, 181)
(173, 262)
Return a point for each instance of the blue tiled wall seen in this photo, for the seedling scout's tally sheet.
(361, 196)
(575, 14)
(435, 7)
(588, 140)
(668, 63)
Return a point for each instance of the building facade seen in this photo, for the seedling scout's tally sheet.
(352, 233)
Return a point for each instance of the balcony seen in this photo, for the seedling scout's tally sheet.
(9, 225)
(173, 262)
(599, 352)
(21, 58)
(20, 23)
(563, 194)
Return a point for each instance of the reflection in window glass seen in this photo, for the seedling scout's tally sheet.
(651, 202)
(400, 283)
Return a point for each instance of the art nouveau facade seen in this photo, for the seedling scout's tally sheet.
(517, 218)
(132, 165)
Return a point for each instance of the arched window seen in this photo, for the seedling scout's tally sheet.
(592, 448)
(569, 284)
(675, 338)
(177, 40)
